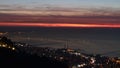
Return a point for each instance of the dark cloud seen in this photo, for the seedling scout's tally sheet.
(59, 19)
(60, 15)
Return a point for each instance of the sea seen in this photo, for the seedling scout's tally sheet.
(104, 41)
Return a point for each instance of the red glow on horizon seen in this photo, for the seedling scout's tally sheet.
(61, 25)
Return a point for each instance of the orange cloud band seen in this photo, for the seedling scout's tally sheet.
(61, 25)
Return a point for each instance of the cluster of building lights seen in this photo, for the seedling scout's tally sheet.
(7, 46)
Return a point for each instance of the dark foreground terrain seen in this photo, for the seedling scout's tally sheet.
(12, 59)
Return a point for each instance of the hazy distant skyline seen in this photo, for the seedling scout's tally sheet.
(60, 11)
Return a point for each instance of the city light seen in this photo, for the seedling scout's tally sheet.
(13, 48)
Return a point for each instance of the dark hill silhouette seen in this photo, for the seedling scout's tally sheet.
(13, 58)
(18, 60)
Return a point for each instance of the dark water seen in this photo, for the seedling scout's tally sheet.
(104, 41)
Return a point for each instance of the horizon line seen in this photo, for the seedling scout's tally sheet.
(62, 25)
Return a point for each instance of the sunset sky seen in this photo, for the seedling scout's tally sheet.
(61, 13)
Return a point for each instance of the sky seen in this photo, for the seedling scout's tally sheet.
(68, 13)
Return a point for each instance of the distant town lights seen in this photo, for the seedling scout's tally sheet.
(13, 48)
(6, 46)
